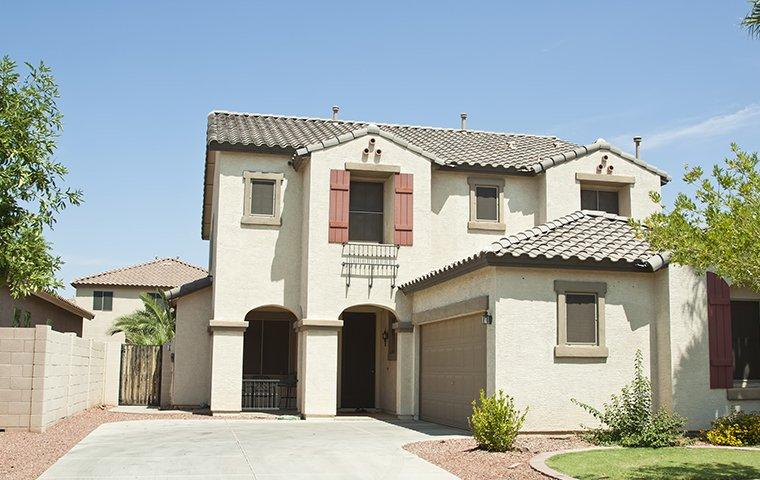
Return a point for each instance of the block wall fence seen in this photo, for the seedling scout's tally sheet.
(47, 375)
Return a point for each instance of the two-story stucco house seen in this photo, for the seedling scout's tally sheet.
(357, 266)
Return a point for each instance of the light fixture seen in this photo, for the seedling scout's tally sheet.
(487, 319)
(385, 337)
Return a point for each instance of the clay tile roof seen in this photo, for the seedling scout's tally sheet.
(162, 272)
(583, 237)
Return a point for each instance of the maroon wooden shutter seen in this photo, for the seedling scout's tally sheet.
(340, 180)
(719, 332)
(403, 210)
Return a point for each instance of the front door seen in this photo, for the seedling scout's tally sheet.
(357, 375)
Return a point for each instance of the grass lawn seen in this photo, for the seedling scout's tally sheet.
(662, 463)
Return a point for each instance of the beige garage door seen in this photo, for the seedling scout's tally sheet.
(452, 369)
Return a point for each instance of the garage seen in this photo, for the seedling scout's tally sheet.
(452, 368)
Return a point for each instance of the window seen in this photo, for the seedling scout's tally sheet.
(580, 319)
(102, 300)
(601, 200)
(745, 337)
(365, 212)
(262, 198)
(486, 200)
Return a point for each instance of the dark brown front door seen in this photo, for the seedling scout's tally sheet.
(357, 375)
(745, 330)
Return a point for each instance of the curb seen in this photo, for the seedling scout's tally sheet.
(538, 463)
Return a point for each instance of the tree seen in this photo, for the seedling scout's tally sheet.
(153, 325)
(30, 191)
(752, 20)
(718, 229)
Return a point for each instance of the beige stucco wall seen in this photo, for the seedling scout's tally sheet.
(192, 350)
(40, 313)
(126, 300)
(560, 191)
(47, 375)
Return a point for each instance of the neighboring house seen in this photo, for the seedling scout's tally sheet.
(42, 308)
(356, 266)
(117, 292)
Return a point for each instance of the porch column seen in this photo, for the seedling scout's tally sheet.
(226, 365)
(318, 367)
(406, 367)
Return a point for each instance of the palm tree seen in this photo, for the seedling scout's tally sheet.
(153, 325)
(752, 20)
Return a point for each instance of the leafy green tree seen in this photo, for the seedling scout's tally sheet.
(752, 20)
(153, 325)
(30, 191)
(718, 228)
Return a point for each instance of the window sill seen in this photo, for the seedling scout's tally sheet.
(480, 225)
(259, 220)
(580, 351)
(743, 393)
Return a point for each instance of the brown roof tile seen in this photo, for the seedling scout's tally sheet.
(162, 272)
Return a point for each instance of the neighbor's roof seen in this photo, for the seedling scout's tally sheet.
(162, 272)
(65, 304)
(583, 239)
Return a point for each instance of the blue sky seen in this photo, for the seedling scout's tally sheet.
(138, 78)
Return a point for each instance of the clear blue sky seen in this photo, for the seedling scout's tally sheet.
(138, 78)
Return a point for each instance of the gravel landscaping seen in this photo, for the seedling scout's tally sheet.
(25, 455)
(462, 457)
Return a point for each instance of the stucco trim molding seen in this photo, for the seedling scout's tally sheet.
(215, 325)
(309, 323)
(602, 179)
(372, 168)
(464, 308)
(747, 393)
(403, 327)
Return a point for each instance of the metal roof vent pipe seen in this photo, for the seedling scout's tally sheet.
(463, 117)
(335, 111)
(637, 143)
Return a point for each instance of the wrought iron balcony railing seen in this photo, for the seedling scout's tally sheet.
(370, 260)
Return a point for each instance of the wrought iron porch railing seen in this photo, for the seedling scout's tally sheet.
(269, 394)
(370, 260)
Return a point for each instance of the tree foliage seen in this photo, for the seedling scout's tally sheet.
(30, 192)
(752, 20)
(153, 325)
(718, 228)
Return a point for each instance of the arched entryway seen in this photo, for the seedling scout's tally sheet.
(367, 360)
(269, 360)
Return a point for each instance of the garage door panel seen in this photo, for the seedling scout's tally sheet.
(452, 369)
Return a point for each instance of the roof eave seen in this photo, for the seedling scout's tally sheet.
(65, 304)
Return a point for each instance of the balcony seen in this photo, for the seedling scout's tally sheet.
(370, 261)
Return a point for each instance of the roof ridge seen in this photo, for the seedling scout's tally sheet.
(380, 125)
(137, 265)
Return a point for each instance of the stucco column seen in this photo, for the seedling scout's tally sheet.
(318, 367)
(405, 369)
(226, 365)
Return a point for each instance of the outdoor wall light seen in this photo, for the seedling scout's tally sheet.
(385, 337)
(487, 318)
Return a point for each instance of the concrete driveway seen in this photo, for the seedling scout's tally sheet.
(363, 448)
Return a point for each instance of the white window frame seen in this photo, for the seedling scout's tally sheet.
(580, 350)
(479, 224)
(249, 218)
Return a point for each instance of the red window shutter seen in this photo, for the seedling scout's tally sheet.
(719, 332)
(403, 210)
(340, 180)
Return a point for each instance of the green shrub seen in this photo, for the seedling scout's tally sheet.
(628, 419)
(738, 429)
(495, 422)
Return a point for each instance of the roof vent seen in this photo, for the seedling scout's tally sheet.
(637, 144)
(335, 110)
(463, 117)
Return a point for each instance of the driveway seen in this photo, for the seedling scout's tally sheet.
(363, 448)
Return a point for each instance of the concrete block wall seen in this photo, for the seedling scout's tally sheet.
(46, 375)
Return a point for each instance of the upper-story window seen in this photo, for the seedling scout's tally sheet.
(365, 212)
(261, 204)
(486, 203)
(602, 200)
(102, 300)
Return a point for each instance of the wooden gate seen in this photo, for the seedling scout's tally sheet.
(140, 380)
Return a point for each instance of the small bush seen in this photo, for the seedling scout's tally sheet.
(738, 429)
(628, 419)
(495, 422)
